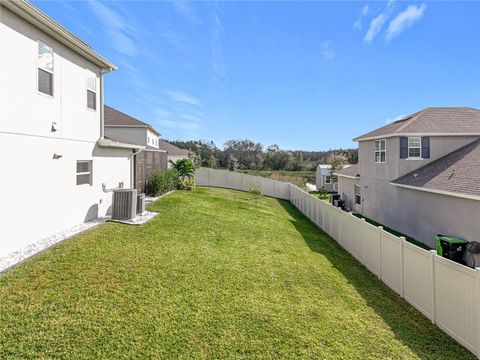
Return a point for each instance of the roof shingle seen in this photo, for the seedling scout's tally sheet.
(351, 171)
(454, 120)
(456, 172)
(171, 149)
(113, 117)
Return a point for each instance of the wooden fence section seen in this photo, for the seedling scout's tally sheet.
(445, 292)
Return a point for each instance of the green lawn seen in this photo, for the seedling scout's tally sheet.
(215, 275)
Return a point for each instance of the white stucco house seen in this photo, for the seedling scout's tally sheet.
(55, 162)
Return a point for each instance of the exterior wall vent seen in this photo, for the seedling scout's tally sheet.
(124, 205)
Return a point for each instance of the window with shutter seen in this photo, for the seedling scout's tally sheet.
(45, 69)
(414, 148)
(91, 90)
(84, 172)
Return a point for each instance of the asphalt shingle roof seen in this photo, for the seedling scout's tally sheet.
(457, 172)
(349, 171)
(454, 120)
(114, 117)
(171, 149)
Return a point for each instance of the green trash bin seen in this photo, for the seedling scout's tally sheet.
(451, 247)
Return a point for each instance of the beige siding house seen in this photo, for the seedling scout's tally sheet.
(420, 175)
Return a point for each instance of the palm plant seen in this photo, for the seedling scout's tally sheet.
(184, 167)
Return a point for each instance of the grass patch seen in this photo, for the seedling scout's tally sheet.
(215, 275)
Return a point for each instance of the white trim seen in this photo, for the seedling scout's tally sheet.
(347, 176)
(360, 139)
(135, 126)
(115, 144)
(441, 192)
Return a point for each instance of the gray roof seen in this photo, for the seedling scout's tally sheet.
(113, 117)
(351, 171)
(456, 172)
(171, 149)
(431, 121)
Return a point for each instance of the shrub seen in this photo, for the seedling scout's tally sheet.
(187, 184)
(163, 181)
(255, 192)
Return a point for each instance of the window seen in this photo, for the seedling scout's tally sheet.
(328, 179)
(358, 198)
(380, 151)
(84, 172)
(414, 147)
(91, 90)
(45, 69)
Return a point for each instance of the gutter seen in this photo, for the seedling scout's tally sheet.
(115, 144)
(440, 192)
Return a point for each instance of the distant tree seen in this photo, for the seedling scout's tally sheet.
(337, 161)
(213, 162)
(298, 163)
(195, 158)
(232, 163)
(248, 153)
(276, 159)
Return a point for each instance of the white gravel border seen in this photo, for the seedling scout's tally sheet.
(18, 256)
(37, 247)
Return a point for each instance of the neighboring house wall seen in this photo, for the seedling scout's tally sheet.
(422, 215)
(174, 158)
(385, 203)
(152, 139)
(38, 194)
(346, 189)
(321, 176)
(134, 135)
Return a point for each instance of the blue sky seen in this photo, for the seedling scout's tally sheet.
(303, 75)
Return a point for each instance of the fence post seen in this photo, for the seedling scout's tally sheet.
(380, 229)
(362, 241)
(478, 311)
(402, 275)
(432, 287)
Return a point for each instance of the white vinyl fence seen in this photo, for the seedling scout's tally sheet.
(445, 292)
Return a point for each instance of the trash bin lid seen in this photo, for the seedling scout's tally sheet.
(451, 239)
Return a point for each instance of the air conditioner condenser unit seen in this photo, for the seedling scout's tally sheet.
(124, 205)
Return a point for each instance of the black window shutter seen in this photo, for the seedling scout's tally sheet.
(426, 147)
(403, 147)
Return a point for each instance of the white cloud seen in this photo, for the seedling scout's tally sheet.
(391, 120)
(327, 52)
(375, 26)
(183, 125)
(357, 25)
(365, 10)
(186, 10)
(182, 97)
(404, 20)
(122, 35)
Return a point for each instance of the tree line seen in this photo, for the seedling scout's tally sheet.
(248, 155)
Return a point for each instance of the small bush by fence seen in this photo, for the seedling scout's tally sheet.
(445, 292)
(163, 181)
